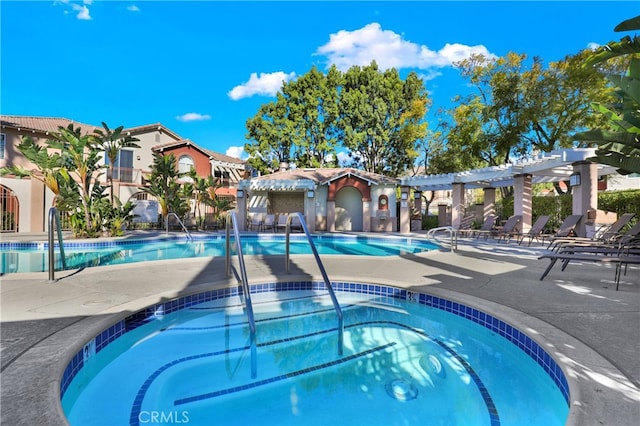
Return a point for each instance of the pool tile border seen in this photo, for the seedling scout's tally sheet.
(515, 336)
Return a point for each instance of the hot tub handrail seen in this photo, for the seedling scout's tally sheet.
(327, 283)
(54, 217)
(166, 223)
(232, 222)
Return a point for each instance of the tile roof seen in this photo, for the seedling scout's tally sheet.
(42, 124)
(212, 155)
(148, 127)
(326, 175)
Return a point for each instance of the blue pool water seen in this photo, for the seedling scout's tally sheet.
(409, 359)
(33, 257)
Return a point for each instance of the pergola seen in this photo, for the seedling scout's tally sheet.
(560, 165)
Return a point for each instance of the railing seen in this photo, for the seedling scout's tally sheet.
(54, 217)
(327, 283)
(166, 224)
(452, 233)
(232, 222)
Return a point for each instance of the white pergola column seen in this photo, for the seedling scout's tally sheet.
(457, 206)
(489, 206)
(523, 200)
(585, 194)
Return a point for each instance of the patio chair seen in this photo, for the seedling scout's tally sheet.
(511, 228)
(269, 222)
(466, 225)
(536, 230)
(567, 228)
(255, 221)
(610, 233)
(487, 227)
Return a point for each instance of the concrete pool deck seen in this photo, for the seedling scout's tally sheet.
(592, 330)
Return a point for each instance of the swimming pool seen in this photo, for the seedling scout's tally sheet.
(33, 257)
(409, 358)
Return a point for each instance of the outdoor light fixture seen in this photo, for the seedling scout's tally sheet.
(404, 196)
(417, 195)
(240, 193)
(574, 179)
(310, 194)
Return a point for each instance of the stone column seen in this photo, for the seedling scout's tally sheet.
(38, 222)
(457, 208)
(585, 194)
(489, 207)
(405, 210)
(241, 209)
(443, 220)
(522, 200)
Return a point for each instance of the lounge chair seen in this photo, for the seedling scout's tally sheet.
(609, 234)
(622, 254)
(511, 228)
(536, 230)
(486, 228)
(466, 225)
(567, 228)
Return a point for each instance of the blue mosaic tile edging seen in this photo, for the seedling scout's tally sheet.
(515, 336)
(93, 244)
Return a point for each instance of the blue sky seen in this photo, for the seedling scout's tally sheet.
(202, 68)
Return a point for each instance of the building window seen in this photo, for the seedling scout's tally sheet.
(3, 139)
(123, 167)
(185, 163)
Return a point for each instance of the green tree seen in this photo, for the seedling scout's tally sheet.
(381, 118)
(299, 126)
(112, 142)
(521, 108)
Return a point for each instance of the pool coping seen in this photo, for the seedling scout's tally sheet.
(582, 365)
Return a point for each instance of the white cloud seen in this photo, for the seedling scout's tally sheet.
(83, 11)
(193, 116)
(236, 152)
(133, 8)
(265, 84)
(390, 50)
(593, 45)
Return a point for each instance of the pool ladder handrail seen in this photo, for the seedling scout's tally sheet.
(323, 271)
(166, 224)
(54, 217)
(232, 222)
(452, 232)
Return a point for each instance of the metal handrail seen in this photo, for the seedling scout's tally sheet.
(166, 222)
(54, 216)
(453, 234)
(232, 221)
(327, 283)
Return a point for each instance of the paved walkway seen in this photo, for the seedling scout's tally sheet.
(577, 315)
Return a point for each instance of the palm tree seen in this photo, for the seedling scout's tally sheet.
(162, 181)
(49, 169)
(112, 142)
(82, 159)
(619, 145)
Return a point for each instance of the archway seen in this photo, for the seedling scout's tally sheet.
(9, 209)
(349, 211)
